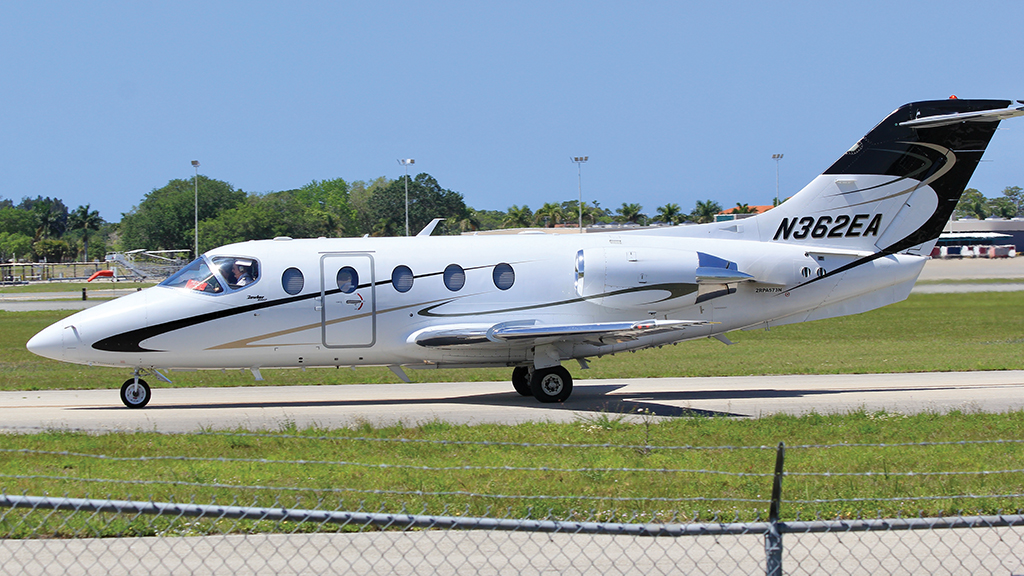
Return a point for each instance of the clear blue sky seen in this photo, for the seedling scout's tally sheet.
(672, 101)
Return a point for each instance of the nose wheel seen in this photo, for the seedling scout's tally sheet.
(135, 393)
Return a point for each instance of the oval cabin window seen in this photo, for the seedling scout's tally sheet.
(402, 278)
(348, 280)
(504, 276)
(292, 281)
(454, 277)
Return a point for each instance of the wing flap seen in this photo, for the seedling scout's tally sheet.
(530, 332)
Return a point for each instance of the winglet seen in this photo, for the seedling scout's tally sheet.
(429, 228)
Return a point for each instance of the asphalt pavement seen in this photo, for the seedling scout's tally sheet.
(270, 407)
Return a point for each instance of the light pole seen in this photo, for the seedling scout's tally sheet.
(776, 157)
(195, 164)
(579, 160)
(406, 162)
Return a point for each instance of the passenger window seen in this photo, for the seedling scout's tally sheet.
(402, 278)
(504, 276)
(237, 271)
(454, 277)
(292, 281)
(196, 276)
(348, 280)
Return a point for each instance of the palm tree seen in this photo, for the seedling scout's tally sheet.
(705, 211)
(51, 220)
(630, 213)
(593, 212)
(670, 213)
(471, 222)
(516, 217)
(549, 214)
(84, 219)
(743, 209)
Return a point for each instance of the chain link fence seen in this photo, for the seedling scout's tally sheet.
(305, 530)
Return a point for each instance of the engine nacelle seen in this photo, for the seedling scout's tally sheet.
(640, 278)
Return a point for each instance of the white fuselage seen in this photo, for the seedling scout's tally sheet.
(628, 276)
(854, 239)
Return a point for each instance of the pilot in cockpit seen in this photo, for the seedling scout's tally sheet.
(241, 270)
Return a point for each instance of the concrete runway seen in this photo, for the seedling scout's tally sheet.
(268, 407)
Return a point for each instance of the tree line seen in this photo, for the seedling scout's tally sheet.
(44, 229)
(974, 204)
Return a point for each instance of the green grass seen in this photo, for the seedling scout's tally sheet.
(97, 286)
(340, 469)
(930, 332)
(971, 281)
(925, 333)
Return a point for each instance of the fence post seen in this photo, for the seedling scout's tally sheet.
(773, 539)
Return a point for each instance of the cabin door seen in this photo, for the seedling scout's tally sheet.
(348, 300)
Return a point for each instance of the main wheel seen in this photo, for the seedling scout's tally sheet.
(521, 380)
(551, 384)
(135, 395)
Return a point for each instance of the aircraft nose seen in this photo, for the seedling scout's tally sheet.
(49, 342)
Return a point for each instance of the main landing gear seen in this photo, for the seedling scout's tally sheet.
(552, 384)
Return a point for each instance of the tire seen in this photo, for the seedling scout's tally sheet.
(135, 396)
(551, 384)
(521, 381)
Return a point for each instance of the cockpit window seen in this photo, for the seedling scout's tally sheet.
(196, 276)
(237, 272)
(226, 272)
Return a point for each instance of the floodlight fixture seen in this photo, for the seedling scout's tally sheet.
(777, 157)
(195, 181)
(406, 162)
(579, 160)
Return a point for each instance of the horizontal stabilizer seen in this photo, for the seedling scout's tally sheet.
(957, 117)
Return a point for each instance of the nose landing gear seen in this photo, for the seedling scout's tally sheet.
(135, 392)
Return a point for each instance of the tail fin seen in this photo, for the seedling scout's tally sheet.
(896, 188)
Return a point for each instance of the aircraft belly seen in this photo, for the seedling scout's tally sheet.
(503, 354)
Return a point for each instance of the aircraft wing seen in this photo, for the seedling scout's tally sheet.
(529, 332)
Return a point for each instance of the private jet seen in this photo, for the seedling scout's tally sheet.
(854, 239)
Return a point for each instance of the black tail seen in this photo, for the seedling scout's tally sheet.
(942, 154)
(896, 188)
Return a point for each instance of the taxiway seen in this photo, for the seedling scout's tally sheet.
(270, 407)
